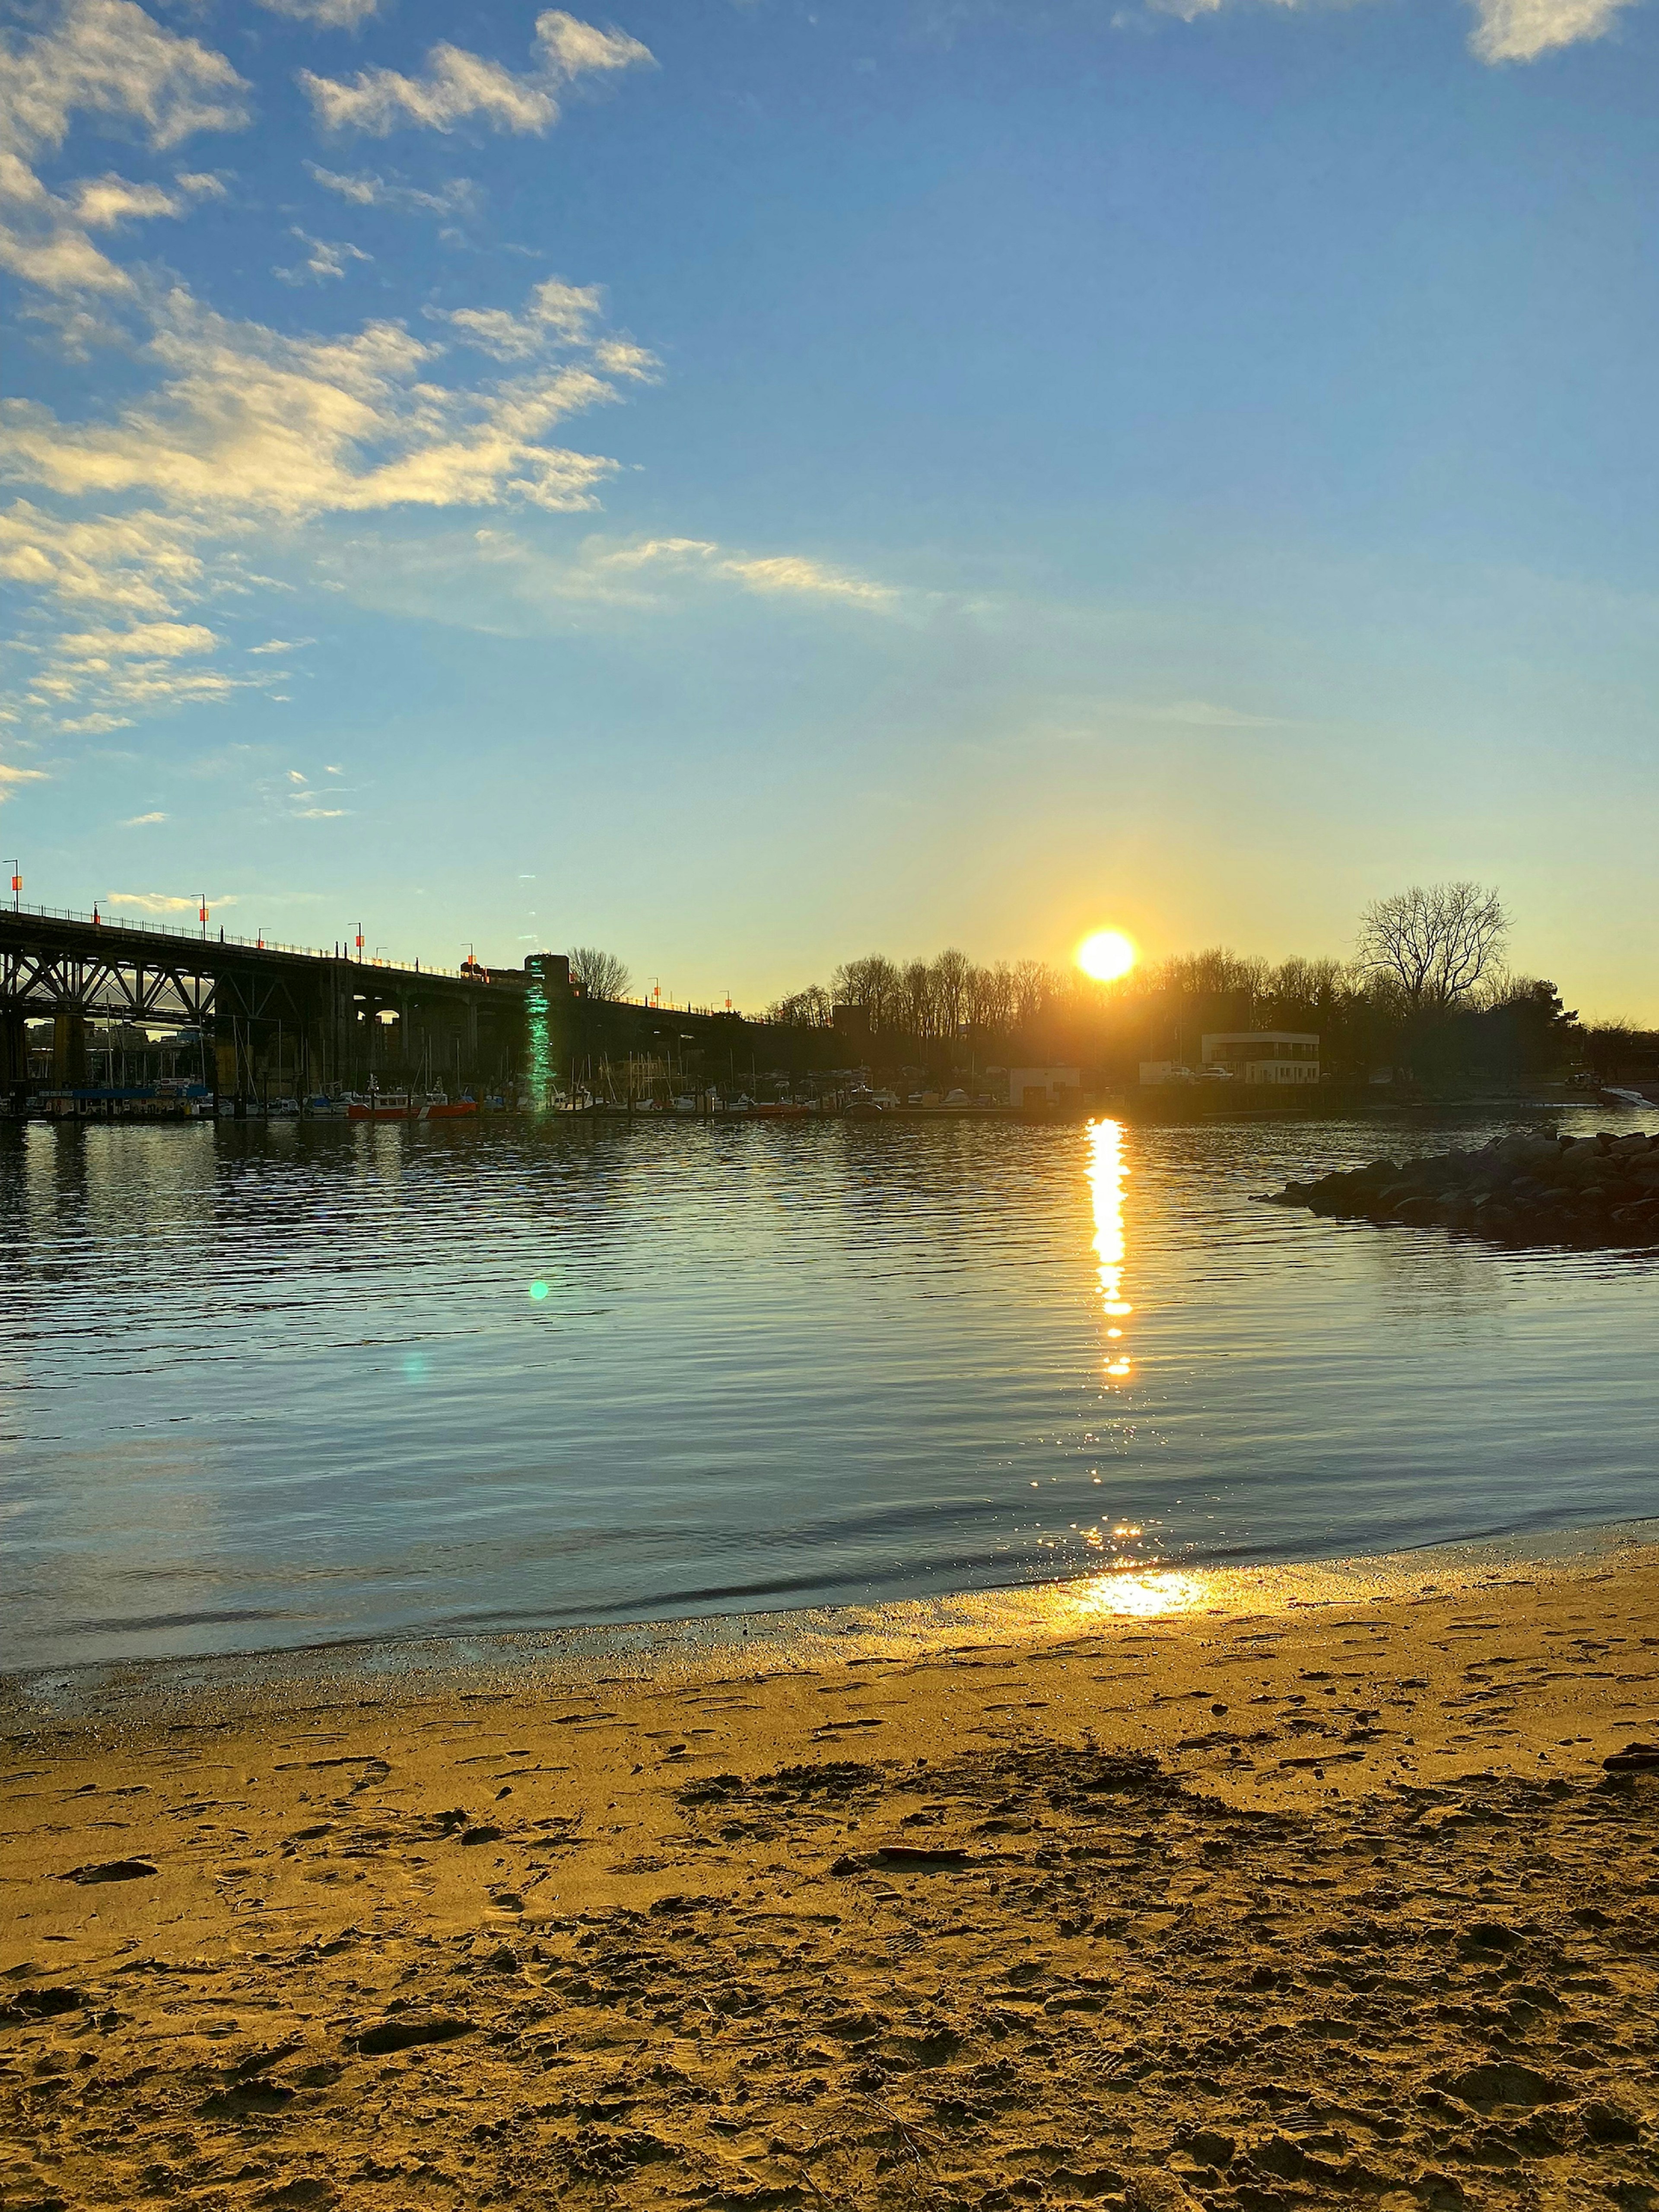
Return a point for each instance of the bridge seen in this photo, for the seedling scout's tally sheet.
(282, 1021)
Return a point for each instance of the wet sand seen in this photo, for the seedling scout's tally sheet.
(1255, 1906)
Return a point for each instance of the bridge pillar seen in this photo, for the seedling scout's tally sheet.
(69, 1047)
(14, 1053)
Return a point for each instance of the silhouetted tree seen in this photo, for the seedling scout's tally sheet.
(1437, 943)
(601, 975)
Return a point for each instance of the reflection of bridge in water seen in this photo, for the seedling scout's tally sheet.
(275, 1021)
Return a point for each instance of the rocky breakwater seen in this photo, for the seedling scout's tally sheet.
(1526, 1188)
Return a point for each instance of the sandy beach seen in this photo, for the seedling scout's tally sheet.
(1326, 1902)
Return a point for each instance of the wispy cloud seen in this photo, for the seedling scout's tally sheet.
(1521, 30)
(155, 641)
(458, 86)
(141, 821)
(519, 587)
(1504, 30)
(167, 901)
(106, 59)
(281, 645)
(247, 421)
(11, 777)
(144, 561)
(459, 196)
(1201, 715)
(327, 258)
(326, 14)
(773, 574)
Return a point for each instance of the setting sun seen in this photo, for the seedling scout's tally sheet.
(1106, 955)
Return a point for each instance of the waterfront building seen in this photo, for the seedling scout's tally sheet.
(1260, 1056)
(1032, 1087)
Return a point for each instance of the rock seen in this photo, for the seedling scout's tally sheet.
(110, 1870)
(1503, 2081)
(1634, 1759)
(404, 2031)
(1154, 2189)
(1605, 2123)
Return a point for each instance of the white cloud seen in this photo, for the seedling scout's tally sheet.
(248, 422)
(775, 573)
(11, 777)
(96, 725)
(155, 641)
(326, 14)
(108, 59)
(101, 202)
(164, 902)
(142, 562)
(458, 86)
(1521, 30)
(319, 813)
(140, 821)
(518, 588)
(555, 312)
(328, 257)
(459, 196)
(279, 645)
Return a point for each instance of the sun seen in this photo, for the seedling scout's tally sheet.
(1107, 955)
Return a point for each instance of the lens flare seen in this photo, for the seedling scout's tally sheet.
(1107, 955)
(538, 1292)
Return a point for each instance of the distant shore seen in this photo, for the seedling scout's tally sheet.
(1231, 1887)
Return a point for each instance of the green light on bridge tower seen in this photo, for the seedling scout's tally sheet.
(538, 1035)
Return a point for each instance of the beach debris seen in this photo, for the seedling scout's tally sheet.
(1526, 1188)
(111, 1870)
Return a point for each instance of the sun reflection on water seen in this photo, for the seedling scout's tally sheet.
(1142, 1592)
(1107, 1176)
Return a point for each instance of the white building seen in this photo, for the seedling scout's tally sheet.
(1256, 1056)
(1032, 1087)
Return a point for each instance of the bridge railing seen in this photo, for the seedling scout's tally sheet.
(263, 944)
(189, 936)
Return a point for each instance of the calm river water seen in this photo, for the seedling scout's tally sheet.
(270, 1386)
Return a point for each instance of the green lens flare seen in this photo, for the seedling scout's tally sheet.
(539, 1291)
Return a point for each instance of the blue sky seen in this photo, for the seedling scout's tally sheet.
(747, 485)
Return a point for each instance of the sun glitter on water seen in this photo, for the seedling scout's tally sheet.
(1107, 955)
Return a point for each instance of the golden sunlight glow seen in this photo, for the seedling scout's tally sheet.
(1144, 1592)
(1107, 1174)
(1107, 955)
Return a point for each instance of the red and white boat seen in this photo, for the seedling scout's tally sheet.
(401, 1106)
(435, 1107)
(378, 1106)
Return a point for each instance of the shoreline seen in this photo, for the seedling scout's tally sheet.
(1242, 1907)
(681, 1648)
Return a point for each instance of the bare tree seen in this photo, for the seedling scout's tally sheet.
(1035, 987)
(1435, 943)
(871, 983)
(601, 975)
(920, 1015)
(810, 1009)
(949, 978)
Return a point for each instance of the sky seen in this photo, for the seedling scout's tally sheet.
(748, 483)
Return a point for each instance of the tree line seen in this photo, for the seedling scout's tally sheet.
(1426, 991)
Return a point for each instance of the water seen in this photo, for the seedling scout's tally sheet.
(270, 1386)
